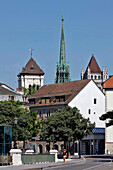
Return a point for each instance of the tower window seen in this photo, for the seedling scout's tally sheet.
(95, 101)
(99, 77)
(91, 77)
(95, 77)
(30, 89)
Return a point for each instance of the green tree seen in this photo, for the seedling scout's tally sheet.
(69, 126)
(31, 90)
(108, 115)
(28, 123)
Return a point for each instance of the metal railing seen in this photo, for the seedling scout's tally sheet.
(5, 160)
(37, 158)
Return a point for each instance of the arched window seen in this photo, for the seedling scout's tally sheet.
(47, 148)
(99, 77)
(40, 148)
(91, 77)
(56, 147)
(95, 77)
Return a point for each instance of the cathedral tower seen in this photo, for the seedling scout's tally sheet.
(62, 68)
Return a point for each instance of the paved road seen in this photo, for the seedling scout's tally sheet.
(89, 164)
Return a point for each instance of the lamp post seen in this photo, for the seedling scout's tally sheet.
(15, 123)
(53, 130)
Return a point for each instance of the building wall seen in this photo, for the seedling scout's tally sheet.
(85, 101)
(109, 99)
(109, 130)
(30, 80)
(6, 97)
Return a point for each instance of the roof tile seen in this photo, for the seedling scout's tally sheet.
(31, 68)
(94, 68)
(109, 83)
(69, 88)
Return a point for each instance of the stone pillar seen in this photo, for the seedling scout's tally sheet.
(90, 147)
(55, 153)
(93, 146)
(16, 156)
(29, 152)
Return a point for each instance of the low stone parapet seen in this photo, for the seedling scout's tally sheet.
(16, 156)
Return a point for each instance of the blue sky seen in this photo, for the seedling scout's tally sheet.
(25, 24)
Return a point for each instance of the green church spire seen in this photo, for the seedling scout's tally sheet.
(62, 69)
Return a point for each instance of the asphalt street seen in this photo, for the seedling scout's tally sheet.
(89, 164)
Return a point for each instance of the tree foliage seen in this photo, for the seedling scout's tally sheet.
(28, 123)
(108, 115)
(31, 90)
(69, 126)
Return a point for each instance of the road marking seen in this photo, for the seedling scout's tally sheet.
(96, 166)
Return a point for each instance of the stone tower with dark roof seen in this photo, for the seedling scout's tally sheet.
(30, 75)
(94, 72)
(62, 68)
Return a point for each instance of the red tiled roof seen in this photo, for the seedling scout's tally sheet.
(31, 68)
(109, 83)
(71, 89)
(94, 68)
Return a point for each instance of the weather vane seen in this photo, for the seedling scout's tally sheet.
(31, 51)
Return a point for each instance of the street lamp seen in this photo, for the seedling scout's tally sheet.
(15, 123)
(53, 130)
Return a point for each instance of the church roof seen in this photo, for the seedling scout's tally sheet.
(69, 89)
(94, 68)
(108, 84)
(31, 68)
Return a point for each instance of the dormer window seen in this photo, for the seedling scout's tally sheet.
(45, 100)
(32, 66)
(59, 99)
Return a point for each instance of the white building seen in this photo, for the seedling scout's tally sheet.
(108, 86)
(91, 103)
(7, 93)
(83, 94)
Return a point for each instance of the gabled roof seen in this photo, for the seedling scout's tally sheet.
(94, 68)
(31, 68)
(69, 89)
(5, 91)
(5, 86)
(108, 84)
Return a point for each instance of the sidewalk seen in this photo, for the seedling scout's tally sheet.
(42, 165)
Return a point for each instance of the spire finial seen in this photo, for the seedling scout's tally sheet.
(92, 54)
(31, 51)
(62, 19)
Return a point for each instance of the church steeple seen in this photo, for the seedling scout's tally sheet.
(62, 69)
(62, 59)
